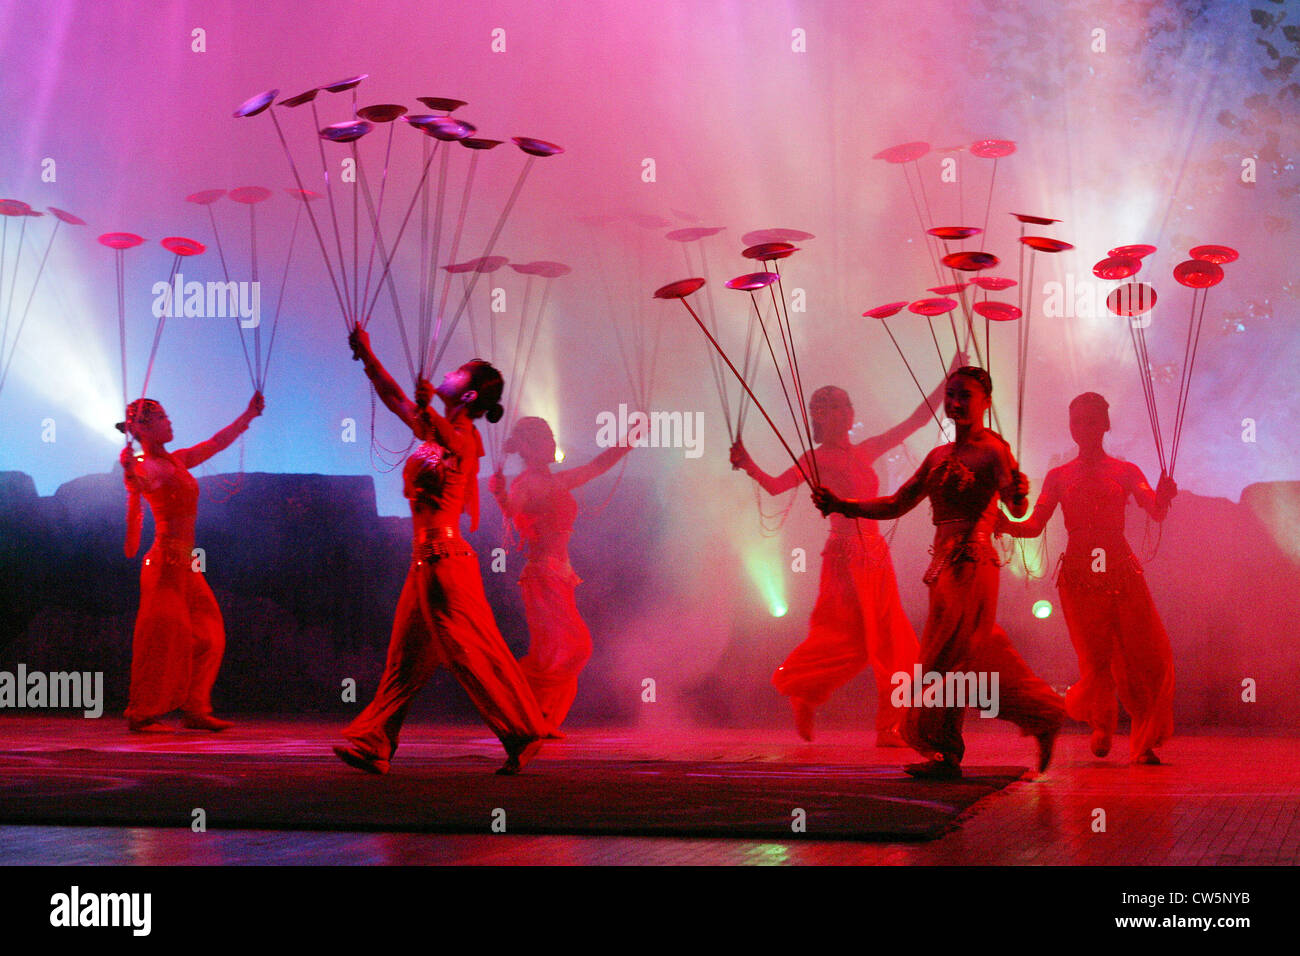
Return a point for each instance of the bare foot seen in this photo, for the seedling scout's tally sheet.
(1147, 757)
(520, 758)
(1100, 743)
(353, 757)
(204, 722)
(803, 717)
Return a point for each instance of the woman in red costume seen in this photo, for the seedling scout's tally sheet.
(964, 481)
(1116, 632)
(542, 507)
(443, 618)
(179, 635)
(858, 619)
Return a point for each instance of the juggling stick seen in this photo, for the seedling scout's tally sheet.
(679, 290)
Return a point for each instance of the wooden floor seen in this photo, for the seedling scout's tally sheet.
(1218, 800)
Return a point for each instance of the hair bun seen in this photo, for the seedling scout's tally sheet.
(121, 426)
(494, 413)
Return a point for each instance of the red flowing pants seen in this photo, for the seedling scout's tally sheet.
(857, 621)
(443, 620)
(179, 637)
(1123, 651)
(559, 644)
(962, 635)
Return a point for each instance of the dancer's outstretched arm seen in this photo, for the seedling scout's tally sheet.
(879, 509)
(772, 484)
(389, 392)
(1155, 503)
(198, 454)
(1044, 508)
(877, 445)
(572, 478)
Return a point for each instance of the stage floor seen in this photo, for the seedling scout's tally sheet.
(1218, 800)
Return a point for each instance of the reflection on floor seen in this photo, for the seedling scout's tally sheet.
(1218, 800)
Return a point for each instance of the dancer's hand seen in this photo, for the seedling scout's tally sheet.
(1166, 489)
(827, 501)
(740, 457)
(497, 484)
(1019, 486)
(424, 392)
(127, 459)
(359, 339)
(256, 405)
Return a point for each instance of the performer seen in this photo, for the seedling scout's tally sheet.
(542, 507)
(963, 481)
(443, 618)
(1116, 632)
(179, 635)
(858, 619)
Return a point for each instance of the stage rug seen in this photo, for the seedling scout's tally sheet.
(752, 799)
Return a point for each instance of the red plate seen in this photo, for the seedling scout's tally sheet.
(932, 307)
(255, 104)
(997, 311)
(1216, 254)
(441, 103)
(381, 112)
(884, 311)
(182, 246)
(300, 99)
(68, 217)
(249, 195)
(949, 233)
(679, 289)
(346, 132)
(14, 207)
(768, 251)
(1034, 220)
(1136, 251)
(205, 198)
(547, 270)
(347, 84)
(1117, 267)
(970, 261)
(536, 147)
(34, 213)
(1044, 244)
(443, 127)
(1198, 273)
(753, 281)
(948, 289)
(120, 240)
(903, 153)
(306, 195)
(470, 142)
(775, 235)
(992, 148)
(993, 283)
(484, 264)
(694, 233)
(1133, 298)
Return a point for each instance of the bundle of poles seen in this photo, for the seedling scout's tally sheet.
(11, 209)
(1134, 301)
(360, 258)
